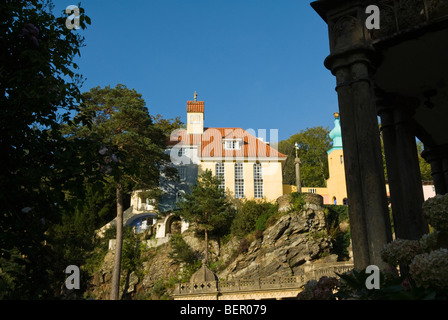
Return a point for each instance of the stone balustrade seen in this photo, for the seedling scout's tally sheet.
(274, 283)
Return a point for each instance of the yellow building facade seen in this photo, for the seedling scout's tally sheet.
(335, 191)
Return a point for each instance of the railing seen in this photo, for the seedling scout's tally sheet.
(401, 15)
(327, 270)
(270, 283)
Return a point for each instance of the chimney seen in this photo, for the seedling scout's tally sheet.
(195, 116)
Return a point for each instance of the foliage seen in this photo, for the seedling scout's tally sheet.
(392, 287)
(132, 147)
(353, 286)
(129, 147)
(181, 251)
(207, 206)
(313, 146)
(160, 288)
(39, 87)
(436, 212)
(263, 220)
(337, 215)
(251, 215)
(319, 290)
(425, 167)
(91, 209)
(297, 201)
(132, 258)
(422, 264)
(167, 126)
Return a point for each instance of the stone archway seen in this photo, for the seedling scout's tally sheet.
(173, 225)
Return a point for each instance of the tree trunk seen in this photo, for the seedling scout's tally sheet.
(114, 294)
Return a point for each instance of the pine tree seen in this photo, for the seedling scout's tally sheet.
(130, 148)
(207, 206)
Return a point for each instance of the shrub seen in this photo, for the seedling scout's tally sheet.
(436, 212)
(131, 259)
(243, 246)
(297, 201)
(263, 220)
(319, 290)
(334, 216)
(400, 252)
(430, 270)
(423, 263)
(251, 215)
(181, 251)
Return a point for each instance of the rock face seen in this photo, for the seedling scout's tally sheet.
(297, 240)
(285, 248)
(157, 267)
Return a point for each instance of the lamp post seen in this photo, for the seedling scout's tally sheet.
(297, 162)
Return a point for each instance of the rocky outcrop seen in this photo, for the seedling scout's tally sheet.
(296, 242)
(156, 269)
(297, 239)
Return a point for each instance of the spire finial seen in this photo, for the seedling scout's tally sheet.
(195, 96)
(336, 115)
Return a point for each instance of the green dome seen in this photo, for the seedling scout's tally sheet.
(336, 134)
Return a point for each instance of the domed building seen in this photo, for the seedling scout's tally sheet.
(335, 191)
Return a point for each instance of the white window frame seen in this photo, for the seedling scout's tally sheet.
(258, 181)
(195, 119)
(220, 172)
(231, 144)
(239, 180)
(182, 172)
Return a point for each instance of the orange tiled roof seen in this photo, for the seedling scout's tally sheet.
(195, 106)
(212, 144)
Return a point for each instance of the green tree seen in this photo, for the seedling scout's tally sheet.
(313, 146)
(132, 148)
(425, 167)
(208, 207)
(167, 125)
(39, 88)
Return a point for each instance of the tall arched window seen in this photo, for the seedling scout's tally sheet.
(258, 181)
(219, 172)
(239, 180)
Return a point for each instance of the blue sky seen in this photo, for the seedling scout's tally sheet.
(256, 63)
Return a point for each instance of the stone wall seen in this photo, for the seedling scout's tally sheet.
(312, 200)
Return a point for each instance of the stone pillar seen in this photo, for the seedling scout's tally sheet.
(437, 157)
(403, 171)
(351, 61)
(298, 179)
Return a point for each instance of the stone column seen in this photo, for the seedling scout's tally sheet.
(403, 171)
(368, 212)
(298, 182)
(437, 157)
(352, 62)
